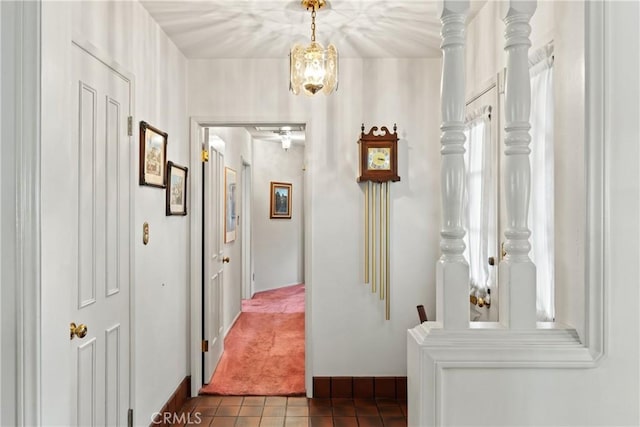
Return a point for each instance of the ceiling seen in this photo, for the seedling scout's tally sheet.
(268, 28)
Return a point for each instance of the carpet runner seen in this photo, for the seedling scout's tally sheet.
(264, 350)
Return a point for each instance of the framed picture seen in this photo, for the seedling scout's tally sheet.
(280, 200)
(176, 189)
(153, 156)
(230, 214)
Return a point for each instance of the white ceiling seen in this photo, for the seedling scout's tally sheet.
(268, 28)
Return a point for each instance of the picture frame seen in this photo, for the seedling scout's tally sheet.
(280, 200)
(230, 205)
(176, 203)
(153, 156)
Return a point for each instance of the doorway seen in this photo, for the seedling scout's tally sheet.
(239, 273)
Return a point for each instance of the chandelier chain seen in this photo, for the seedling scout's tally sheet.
(313, 24)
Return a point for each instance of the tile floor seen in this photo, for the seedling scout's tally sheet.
(271, 411)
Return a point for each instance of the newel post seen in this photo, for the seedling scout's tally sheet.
(517, 273)
(452, 270)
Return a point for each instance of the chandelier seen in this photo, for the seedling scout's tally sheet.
(313, 68)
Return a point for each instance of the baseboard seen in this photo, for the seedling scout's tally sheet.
(233, 322)
(166, 416)
(360, 387)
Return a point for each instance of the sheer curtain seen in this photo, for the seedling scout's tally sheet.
(541, 213)
(479, 206)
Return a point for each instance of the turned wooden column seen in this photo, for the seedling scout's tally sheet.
(452, 270)
(517, 273)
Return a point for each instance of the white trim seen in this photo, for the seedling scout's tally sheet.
(23, 37)
(233, 322)
(195, 226)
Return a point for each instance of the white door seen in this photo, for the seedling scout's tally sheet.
(213, 246)
(100, 294)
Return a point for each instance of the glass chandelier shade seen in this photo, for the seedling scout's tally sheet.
(313, 68)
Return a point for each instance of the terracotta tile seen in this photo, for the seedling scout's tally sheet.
(250, 411)
(272, 422)
(253, 401)
(274, 411)
(386, 411)
(365, 403)
(345, 421)
(385, 387)
(297, 401)
(342, 387)
(363, 387)
(370, 421)
(344, 411)
(208, 400)
(205, 421)
(275, 401)
(320, 411)
(367, 411)
(320, 421)
(319, 402)
(394, 421)
(206, 411)
(223, 422)
(341, 402)
(228, 411)
(321, 387)
(387, 402)
(297, 411)
(296, 422)
(231, 401)
(401, 388)
(248, 422)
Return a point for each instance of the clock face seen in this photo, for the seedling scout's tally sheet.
(379, 158)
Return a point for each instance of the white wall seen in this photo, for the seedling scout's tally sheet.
(346, 323)
(237, 147)
(128, 36)
(278, 243)
(608, 394)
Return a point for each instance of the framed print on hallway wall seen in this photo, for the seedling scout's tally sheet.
(176, 189)
(280, 200)
(230, 214)
(153, 156)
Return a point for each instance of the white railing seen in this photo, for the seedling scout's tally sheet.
(517, 274)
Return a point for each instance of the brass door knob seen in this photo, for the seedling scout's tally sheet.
(79, 331)
(226, 259)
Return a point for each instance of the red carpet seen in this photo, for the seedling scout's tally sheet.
(264, 350)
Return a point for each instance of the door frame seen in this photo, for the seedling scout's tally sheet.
(195, 223)
(246, 229)
(21, 124)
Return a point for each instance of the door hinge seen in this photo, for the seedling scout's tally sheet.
(205, 346)
(205, 156)
(130, 125)
(130, 418)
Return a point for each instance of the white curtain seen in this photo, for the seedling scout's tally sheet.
(479, 200)
(541, 214)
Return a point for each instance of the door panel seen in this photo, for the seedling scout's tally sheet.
(213, 272)
(100, 360)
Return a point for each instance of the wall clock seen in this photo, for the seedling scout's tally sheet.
(378, 155)
(378, 168)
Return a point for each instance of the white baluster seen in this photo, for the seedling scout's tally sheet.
(517, 272)
(452, 270)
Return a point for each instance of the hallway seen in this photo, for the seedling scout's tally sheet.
(264, 350)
